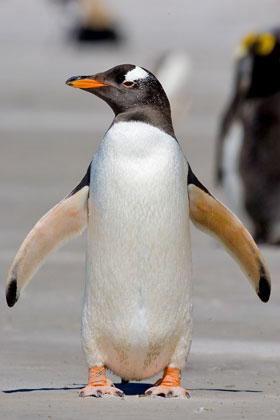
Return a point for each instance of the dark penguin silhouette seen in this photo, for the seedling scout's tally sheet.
(248, 147)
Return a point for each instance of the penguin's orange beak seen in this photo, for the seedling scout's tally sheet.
(84, 82)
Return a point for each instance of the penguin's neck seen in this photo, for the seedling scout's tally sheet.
(154, 116)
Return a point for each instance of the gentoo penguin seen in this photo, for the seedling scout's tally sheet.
(136, 200)
(248, 150)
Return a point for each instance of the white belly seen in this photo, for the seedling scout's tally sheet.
(233, 191)
(232, 182)
(137, 302)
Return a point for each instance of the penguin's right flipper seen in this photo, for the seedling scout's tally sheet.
(62, 223)
(211, 216)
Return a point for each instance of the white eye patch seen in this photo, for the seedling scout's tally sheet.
(135, 74)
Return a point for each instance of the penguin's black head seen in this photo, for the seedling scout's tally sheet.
(258, 66)
(124, 88)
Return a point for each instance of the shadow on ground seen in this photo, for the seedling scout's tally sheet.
(131, 388)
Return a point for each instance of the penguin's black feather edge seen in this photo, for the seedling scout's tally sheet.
(84, 182)
(264, 284)
(264, 289)
(11, 294)
(192, 179)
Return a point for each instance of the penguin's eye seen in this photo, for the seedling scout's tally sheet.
(128, 84)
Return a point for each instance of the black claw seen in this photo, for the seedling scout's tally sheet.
(188, 395)
(169, 394)
(120, 393)
(98, 393)
(149, 392)
(81, 394)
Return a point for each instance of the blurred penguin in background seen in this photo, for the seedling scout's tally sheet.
(248, 147)
(95, 23)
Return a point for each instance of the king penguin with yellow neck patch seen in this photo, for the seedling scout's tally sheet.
(136, 199)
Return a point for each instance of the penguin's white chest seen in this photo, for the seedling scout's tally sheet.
(233, 185)
(137, 302)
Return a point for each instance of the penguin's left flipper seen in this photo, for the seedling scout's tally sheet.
(62, 223)
(211, 216)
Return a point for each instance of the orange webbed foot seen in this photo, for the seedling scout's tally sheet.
(169, 385)
(99, 385)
